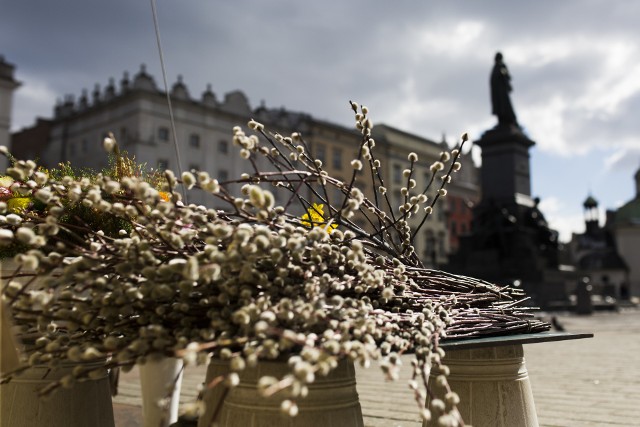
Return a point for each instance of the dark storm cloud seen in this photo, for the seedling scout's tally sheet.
(421, 66)
(54, 38)
(425, 64)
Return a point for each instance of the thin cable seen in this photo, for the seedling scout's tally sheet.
(166, 89)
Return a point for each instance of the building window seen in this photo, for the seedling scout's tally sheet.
(85, 145)
(321, 153)
(462, 207)
(223, 175)
(398, 199)
(123, 134)
(194, 140)
(361, 223)
(427, 177)
(453, 228)
(441, 206)
(430, 246)
(397, 174)
(441, 244)
(163, 133)
(223, 147)
(72, 150)
(337, 158)
(337, 197)
(162, 164)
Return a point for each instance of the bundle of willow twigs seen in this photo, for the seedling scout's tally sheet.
(478, 308)
(315, 280)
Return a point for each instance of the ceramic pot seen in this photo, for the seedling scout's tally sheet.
(160, 381)
(86, 403)
(332, 400)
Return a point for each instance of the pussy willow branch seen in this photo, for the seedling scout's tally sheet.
(445, 181)
(314, 170)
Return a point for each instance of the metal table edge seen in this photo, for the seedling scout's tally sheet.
(502, 340)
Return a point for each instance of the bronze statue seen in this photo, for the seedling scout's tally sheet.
(500, 88)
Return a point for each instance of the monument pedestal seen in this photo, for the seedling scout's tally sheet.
(510, 239)
(505, 163)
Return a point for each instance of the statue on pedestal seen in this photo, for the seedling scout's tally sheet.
(500, 88)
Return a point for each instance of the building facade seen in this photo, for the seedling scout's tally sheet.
(8, 84)
(432, 240)
(626, 229)
(135, 110)
(464, 194)
(595, 255)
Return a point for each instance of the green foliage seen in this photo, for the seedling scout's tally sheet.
(12, 250)
(79, 220)
(66, 169)
(120, 164)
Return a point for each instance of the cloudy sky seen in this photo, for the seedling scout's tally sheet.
(420, 66)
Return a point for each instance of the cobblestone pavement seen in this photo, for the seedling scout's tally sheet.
(588, 382)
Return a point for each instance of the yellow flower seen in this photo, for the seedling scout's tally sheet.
(164, 196)
(19, 204)
(315, 218)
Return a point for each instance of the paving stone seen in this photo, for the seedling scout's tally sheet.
(588, 382)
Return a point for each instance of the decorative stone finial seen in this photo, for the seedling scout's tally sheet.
(83, 102)
(96, 93)
(590, 202)
(124, 82)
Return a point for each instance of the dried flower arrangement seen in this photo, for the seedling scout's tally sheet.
(19, 194)
(250, 282)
